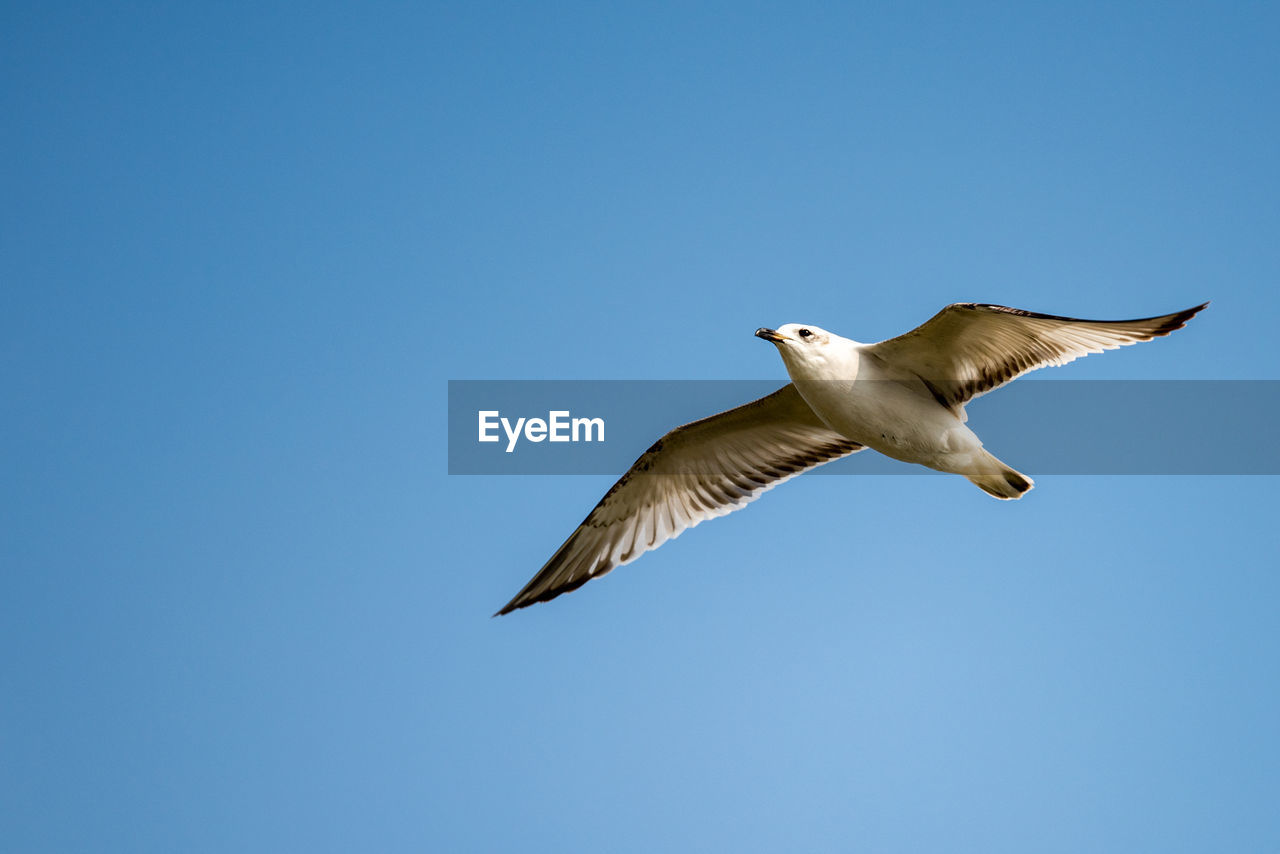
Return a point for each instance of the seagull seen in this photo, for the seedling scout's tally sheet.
(904, 397)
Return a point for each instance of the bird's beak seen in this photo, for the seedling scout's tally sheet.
(771, 335)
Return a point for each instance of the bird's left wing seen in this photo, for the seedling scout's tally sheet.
(968, 349)
(696, 472)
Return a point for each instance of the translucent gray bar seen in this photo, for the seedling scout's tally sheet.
(1037, 426)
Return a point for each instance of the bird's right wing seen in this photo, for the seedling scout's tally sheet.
(968, 349)
(696, 472)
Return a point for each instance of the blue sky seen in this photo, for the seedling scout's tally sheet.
(245, 246)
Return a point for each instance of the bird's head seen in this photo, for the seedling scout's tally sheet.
(795, 334)
(804, 347)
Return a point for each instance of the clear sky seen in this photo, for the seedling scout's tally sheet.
(244, 246)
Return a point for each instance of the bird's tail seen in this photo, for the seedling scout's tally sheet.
(1000, 480)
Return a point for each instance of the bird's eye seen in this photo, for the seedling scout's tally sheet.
(805, 333)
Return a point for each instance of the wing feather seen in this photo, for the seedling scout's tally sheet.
(968, 349)
(696, 472)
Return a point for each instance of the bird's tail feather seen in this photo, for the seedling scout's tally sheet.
(1002, 481)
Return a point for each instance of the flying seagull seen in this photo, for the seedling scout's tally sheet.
(903, 397)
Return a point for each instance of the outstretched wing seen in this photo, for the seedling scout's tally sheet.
(968, 349)
(696, 472)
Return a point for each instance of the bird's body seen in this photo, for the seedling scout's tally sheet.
(887, 408)
(903, 397)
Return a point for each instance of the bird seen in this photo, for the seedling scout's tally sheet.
(903, 397)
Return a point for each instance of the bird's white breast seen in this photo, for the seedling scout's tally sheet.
(866, 402)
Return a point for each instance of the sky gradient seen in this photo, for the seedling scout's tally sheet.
(244, 248)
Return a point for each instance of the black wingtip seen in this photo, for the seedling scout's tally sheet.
(514, 605)
(524, 600)
(509, 607)
(1179, 319)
